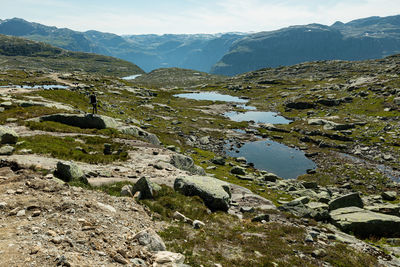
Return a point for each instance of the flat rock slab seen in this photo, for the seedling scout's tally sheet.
(365, 223)
(83, 120)
(215, 193)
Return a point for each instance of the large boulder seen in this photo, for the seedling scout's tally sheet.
(350, 200)
(365, 223)
(83, 120)
(69, 171)
(147, 188)
(7, 135)
(215, 193)
(185, 163)
(138, 132)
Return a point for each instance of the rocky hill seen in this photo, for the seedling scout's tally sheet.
(368, 38)
(191, 51)
(22, 53)
(149, 181)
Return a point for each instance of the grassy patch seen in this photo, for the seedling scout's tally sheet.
(83, 148)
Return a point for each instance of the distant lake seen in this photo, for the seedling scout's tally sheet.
(258, 117)
(271, 156)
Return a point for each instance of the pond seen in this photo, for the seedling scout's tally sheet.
(46, 87)
(257, 116)
(274, 157)
(132, 77)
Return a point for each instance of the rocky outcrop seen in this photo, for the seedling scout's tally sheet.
(365, 223)
(215, 193)
(83, 120)
(138, 132)
(8, 136)
(185, 163)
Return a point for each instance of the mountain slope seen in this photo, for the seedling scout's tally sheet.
(18, 52)
(369, 38)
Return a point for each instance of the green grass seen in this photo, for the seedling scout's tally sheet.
(91, 148)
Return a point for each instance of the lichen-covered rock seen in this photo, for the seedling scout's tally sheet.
(238, 170)
(69, 171)
(215, 193)
(365, 223)
(389, 195)
(7, 150)
(350, 200)
(7, 135)
(138, 132)
(147, 188)
(185, 163)
(150, 239)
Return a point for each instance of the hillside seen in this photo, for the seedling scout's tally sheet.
(25, 54)
(369, 38)
(192, 51)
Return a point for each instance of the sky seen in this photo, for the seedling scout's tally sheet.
(191, 16)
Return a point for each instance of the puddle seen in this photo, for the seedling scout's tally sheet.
(212, 96)
(258, 117)
(274, 157)
(132, 77)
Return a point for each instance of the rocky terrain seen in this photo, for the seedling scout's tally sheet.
(147, 181)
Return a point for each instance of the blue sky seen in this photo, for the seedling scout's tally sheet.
(191, 16)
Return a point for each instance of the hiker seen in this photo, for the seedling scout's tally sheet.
(93, 101)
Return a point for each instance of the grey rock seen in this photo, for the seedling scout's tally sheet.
(218, 161)
(310, 185)
(137, 262)
(187, 164)
(6, 150)
(150, 239)
(238, 170)
(69, 171)
(396, 100)
(7, 135)
(107, 149)
(246, 209)
(270, 177)
(389, 195)
(139, 132)
(386, 208)
(260, 218)
(205, 140)
(198, 224)
(350, 200)
(126, 190)
(147, 188)
(167, 258)
(215, 193)
(83, 121)
(365, 223)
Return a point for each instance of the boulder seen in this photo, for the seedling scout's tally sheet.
(7, 135)
(389, 195)
(386, 208)
(350, 200)
(218, 161)
(215, 193)
(365, 223)
(270, 177)
(139, 132)
(310, 185)
(396, 100)
(147, 188)
(167, 258)
(238, 170)
(126, 190)
(69, 171)
(6, 150)
(150, 239)
(83, 120)
(185, 163)
(300, 105)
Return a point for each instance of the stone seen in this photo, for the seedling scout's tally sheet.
(180, 217)
(167, 258)
(396, 100)
(150, 239)
(270, 177)
(238, 170)
(185, 163)
(7, 150)
(84, 121)
(107, 149)
(389, 195)
(106, 207)
(69, 171)
(126, 190)
(198, 224)
(139, 132)
(386, 208)
(246, 209)
(205, 140)
(318, 253)
(147, 189)
(365, 223)
(21, 213)
(310, 185)
(218, 161)
(215, 193)
(350, 200)
(8, 135)
(260, 218)
(300, 105)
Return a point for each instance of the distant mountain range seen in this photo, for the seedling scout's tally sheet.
(230, 53)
